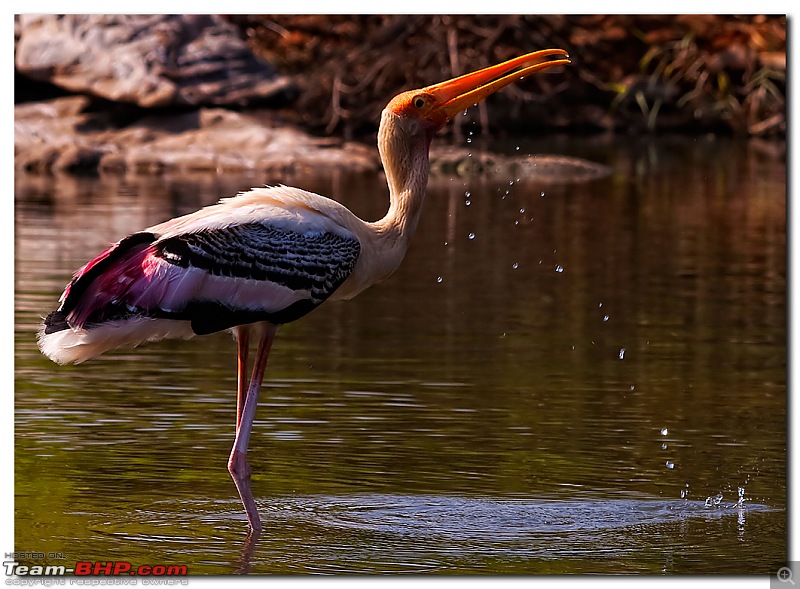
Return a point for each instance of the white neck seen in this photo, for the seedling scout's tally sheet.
(403, 146)
(404, 153)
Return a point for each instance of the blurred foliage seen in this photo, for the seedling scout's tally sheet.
(630, 73)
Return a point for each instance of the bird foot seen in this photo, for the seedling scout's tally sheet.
(240, 473)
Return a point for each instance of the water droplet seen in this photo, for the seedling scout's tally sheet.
(600, 305)
(511, 183)
(605, 317)
(542, 193)
(467, 202)
(466, 111)
(664, 431)
(439, 279)
(522, 210)
(471, 236)
(469, 139)
(632, 387)
(670, 465)
(663, 446)
(467, 194)
(516, 148)
(683, 493)
(622, 353)
(741, 500)
(445, 243)
(559, 268)
(515, 265)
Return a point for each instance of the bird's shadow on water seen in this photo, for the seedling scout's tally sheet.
(388, 533)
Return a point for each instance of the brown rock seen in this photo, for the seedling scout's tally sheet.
(61, 134)
(544, 168)
(149, 60)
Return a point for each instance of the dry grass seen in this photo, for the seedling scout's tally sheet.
(648, 73)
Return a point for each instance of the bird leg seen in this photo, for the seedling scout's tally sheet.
(243, 337)
(237, 463)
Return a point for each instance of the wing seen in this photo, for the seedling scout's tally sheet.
(252, 272)
(215, 277)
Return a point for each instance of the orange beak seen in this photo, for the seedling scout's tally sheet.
(456, 95)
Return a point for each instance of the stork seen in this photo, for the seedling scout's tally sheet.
(264, 257)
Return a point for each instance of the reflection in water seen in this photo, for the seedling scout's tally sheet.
(559, 393)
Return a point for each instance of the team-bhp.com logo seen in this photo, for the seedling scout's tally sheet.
(85, 568)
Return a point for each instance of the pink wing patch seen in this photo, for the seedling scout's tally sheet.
(111, 285)
(135, 277)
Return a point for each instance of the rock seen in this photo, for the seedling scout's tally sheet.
(148, 60)
(64, 134)
(69, 134)
(224, 140)
(45, 136)
(550, 169)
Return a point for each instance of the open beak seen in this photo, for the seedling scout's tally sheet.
(454, 96)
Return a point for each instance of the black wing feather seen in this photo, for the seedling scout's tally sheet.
(315, 262)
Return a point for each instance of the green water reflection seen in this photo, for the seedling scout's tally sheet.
(536, 398)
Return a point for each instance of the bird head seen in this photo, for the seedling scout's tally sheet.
(429, 109)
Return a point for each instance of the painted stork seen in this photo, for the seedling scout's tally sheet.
(265, 257)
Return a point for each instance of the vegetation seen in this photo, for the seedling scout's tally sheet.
(692, 73)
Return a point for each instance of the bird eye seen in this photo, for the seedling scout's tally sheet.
(419, 102)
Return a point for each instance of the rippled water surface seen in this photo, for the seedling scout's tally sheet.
(560, 378)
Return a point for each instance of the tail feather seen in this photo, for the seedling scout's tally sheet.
(66, 345)
(55, 322)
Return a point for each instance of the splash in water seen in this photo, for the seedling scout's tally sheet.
(716, 500)
(740, 502)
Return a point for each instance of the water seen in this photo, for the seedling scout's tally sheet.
(478, 412)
